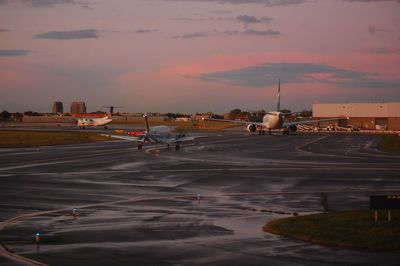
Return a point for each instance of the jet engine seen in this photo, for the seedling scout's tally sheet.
(251, 128)
(293, 128)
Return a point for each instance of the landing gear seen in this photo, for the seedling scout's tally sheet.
(168, 146)
(140, 147)
(105, 127)
(177, 147)
(286, 132)
(269, 131)
(261, 132)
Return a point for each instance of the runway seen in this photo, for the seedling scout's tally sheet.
(141, 207)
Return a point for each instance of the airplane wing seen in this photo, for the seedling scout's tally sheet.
(235, 121)
(154, 139)
(288, 124)
(130, 138)
(180, 138)
(142, 138)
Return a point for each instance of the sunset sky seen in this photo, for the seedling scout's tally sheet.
(197, 55)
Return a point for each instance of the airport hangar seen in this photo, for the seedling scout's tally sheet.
(366, 116)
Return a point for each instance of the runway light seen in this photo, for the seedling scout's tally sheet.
(37, 237)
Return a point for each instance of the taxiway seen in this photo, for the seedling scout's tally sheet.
(141, 207)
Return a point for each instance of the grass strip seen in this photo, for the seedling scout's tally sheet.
(349, 229)
(18, 139)
(390, 143)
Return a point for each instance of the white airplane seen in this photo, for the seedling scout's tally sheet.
(275, 120)
(157, 134)
(94, 122)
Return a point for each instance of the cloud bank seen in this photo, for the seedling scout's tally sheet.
(46, 3)
(247, 32)
(371, 1)
(14, 52)
(385, 51)
(68, 35)
(268, 74)
(269, 3)
(146, 30)
(246, 19)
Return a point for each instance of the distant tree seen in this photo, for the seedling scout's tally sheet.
(175, 115)
(255, 118)
(5, 116)
(170, 115)
(286, 111)
(261, 112)
(18, 117)
(214, 116)
(30, 113)
(236, 111)
(306, 113)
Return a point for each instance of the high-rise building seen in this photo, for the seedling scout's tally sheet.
(78, 108)
(57, 108)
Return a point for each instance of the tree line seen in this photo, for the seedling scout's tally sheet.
(255, 116)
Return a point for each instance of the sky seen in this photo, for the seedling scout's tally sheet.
(197, 55)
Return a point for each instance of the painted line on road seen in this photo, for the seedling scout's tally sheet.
(7, 253)
(300, 147)
(31, 165)
(314, 192)
(65, 159)
(282, 167)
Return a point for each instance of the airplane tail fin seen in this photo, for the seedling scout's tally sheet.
(278, 107)
(146, 119)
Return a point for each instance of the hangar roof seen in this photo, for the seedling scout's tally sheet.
(390, 109)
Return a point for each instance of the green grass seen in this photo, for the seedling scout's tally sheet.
(181, 126)
(350, 229)
(390, 143)
(198, 126)
(201, 126)
(16, 139)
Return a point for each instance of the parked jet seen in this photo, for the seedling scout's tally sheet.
(275, 120)
(157, 134)
(94, 122)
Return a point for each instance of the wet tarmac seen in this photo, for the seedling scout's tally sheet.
(142, 207)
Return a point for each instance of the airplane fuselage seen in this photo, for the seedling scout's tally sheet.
(273, 120)
(93, 122)
(162, 132)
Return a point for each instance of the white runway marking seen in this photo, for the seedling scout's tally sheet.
(28, 165)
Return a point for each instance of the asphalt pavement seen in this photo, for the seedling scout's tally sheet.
(205, 204)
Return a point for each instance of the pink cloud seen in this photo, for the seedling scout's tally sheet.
(11, 79)
(357, 61)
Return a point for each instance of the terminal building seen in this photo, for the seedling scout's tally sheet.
(367, 116)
